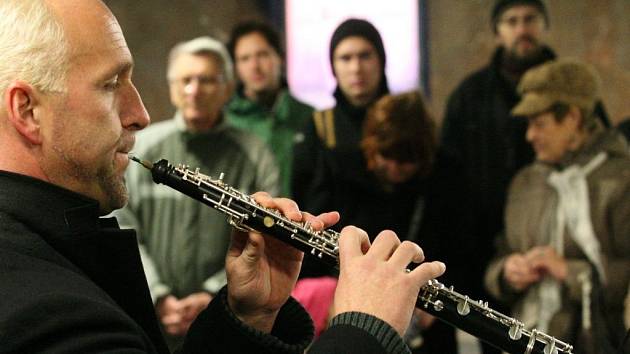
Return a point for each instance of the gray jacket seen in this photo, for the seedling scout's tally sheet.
(182, 241)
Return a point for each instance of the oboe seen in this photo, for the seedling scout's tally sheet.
(474, 317)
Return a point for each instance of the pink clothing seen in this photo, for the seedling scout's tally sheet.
(316, 295)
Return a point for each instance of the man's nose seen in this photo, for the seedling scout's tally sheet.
(133, 114)
(529, 134)
(192, 87)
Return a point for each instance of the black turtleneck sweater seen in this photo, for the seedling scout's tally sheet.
(72, 282)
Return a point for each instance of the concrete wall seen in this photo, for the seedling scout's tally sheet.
(596, 31)
(153, 27)
(460, 41)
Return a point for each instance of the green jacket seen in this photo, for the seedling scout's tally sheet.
(278, 127)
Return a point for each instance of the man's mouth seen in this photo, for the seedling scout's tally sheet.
(526, 40)
(127, 144)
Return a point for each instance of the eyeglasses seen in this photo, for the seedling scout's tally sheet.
(203, 81)
(527, 21)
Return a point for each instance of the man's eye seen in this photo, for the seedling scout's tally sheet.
(113, 84)
(345, 57)
(365, 55)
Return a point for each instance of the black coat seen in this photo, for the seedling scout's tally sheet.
(488, 145)
(71, 282)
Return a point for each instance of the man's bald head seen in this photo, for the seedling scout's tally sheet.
(70, 107)
(33, 46)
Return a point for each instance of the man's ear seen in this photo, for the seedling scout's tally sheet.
(21, 99)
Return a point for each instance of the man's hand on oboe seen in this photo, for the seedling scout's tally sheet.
(262, 270)
(373, 279)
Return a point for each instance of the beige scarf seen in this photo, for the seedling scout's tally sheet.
(544, 300)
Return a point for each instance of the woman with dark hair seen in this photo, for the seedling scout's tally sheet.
(399, 139)
(399, 145)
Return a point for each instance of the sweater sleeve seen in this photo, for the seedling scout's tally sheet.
(356, 332)
(218, 330)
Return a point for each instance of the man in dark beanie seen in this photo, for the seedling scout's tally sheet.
(503, 5)
(330, 169)
(366, 31)
(330, 172)
(487, 141)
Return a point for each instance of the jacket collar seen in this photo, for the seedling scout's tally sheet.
(84, 242)
(356, 113)
(242, 106)
(180, 124)
(497, 65)
(50, 209)
(496, 62)
(599, 140)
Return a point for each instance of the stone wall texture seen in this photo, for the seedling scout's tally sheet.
(461, 40)
(595, 31)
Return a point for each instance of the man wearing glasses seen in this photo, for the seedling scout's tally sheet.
(183, 243)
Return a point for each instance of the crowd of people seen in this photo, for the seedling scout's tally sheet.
(524, 194)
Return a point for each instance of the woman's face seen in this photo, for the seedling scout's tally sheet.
(393, 171)
(552, 139)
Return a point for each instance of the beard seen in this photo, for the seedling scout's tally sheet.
(85, 162)
(527, 59)
(114, 189)
(102, 183)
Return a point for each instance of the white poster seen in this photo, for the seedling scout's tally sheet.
(310, 24)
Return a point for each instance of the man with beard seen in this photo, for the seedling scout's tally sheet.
(486, 141)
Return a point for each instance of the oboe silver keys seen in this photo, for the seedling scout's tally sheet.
(516, 331)
(434, 296)
(551, 347)
(438, 305)
(463, 307)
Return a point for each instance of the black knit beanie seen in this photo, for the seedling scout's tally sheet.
(359, 28)
(502, 5)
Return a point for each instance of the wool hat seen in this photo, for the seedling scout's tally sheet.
(502, 5)
(560, 81)
(359, 28)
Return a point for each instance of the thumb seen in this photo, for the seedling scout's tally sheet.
(254, 247)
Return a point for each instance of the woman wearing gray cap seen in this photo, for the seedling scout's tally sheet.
(566, 243)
